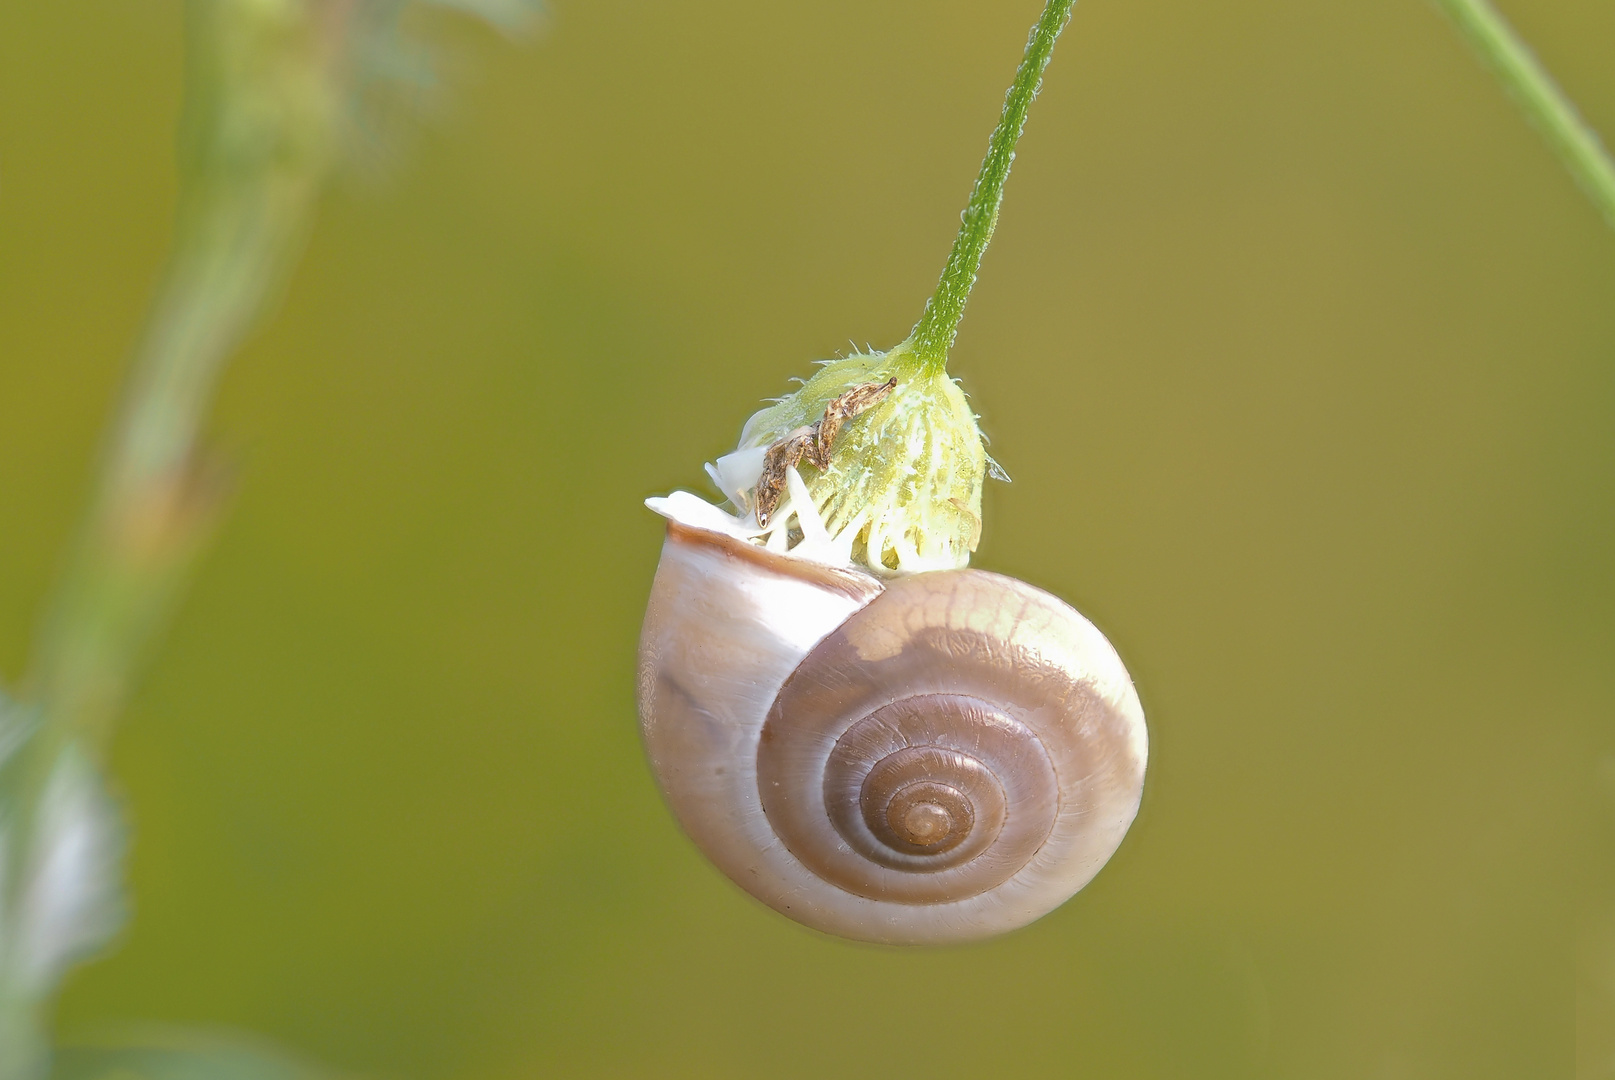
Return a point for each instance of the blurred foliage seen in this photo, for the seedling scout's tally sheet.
(268, 84)
(179, 1056)
(1298, 346)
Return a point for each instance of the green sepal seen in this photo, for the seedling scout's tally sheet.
(906, 476)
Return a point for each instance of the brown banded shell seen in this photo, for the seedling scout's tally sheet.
(938, 757)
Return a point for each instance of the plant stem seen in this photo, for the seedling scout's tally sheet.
(244, 204)
(268, 86)
(933, 336)
(1544, 103)
(256, 148)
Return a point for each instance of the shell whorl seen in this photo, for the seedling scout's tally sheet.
(938, 757)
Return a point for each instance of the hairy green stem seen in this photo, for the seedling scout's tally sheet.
(933, 336)
(1544, 103)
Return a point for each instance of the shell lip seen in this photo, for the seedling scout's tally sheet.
(685, 527)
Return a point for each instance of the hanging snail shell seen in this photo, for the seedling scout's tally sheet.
(932, 758)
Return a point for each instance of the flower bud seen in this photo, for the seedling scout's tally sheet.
(896, 490)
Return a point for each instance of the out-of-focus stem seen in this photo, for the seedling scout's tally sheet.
(251, 176)
(1546, 105)
(933, 336)
(261, 94)
(267, 82)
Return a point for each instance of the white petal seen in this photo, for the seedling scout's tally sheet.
(696, 512)
(738, 473)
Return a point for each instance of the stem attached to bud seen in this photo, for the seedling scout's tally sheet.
(901, 492)
(933, 336)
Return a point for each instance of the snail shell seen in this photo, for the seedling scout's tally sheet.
(931, 758)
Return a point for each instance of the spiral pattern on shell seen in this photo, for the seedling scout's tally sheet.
(938, 757)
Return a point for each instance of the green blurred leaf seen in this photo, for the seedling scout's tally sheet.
(14, 725)
(507, 15)
(60, 862)
(181, 1056)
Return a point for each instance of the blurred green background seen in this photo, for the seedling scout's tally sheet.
(1300, 348)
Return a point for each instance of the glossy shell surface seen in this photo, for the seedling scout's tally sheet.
(939, 757)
